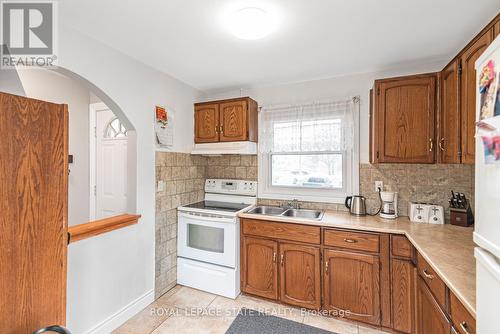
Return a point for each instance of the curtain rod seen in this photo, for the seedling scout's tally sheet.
(354, 99)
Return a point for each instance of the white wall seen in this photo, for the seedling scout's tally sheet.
(112, 276)
(53, 87)
(325, 89)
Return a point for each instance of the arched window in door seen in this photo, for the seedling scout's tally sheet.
(115, 129)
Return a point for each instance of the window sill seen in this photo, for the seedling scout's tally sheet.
(97, 227)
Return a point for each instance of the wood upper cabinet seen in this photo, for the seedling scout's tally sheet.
(352, 282)
(226, 121)
(206, 123)
(404, 119)
(259, 267)
(468, 94)
(233, 120)
(449, 145)
(430, 318)
(300, 282)
(496, 29)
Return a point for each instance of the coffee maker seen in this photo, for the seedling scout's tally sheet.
(389, 204)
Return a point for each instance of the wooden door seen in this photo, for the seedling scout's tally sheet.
(259, 267)
(403, 276)
(468, 95)
(449, 116)
(430, 318)
(352, 282)
(300, 282)
(234, 121)
(33, 220)
(206, 123)
(405, 110)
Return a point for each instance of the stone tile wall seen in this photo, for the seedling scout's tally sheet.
(417, 183)
(240, 167)
(184, 179)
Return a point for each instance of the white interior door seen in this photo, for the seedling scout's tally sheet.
(111, 163)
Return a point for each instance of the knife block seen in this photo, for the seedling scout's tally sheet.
(461, 217)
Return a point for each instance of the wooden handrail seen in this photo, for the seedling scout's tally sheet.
(93, 228)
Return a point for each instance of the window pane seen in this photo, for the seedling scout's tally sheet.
(307, 170)
(312, 135)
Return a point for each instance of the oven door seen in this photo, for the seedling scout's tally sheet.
(208, 238)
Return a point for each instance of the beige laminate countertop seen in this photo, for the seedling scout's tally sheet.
(448, 249)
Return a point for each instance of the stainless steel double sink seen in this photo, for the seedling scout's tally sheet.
(284, 212)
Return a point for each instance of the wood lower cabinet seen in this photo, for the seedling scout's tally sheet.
(404, 119)
(300, 275)
(449, 145)
(259, 267)
(468, 94)
(206, 123)
(430, 318)
(226, 121)
(403, 277)
(352, 283)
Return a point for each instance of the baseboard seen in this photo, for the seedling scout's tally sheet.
(120, 317)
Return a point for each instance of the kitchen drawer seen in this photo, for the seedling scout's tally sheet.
(464, 322)
(368, 242)
(401, 247)
(282, 231)
(433, 281)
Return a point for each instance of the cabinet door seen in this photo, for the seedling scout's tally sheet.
(206, 123)
(496, 29)
(449, 116)
(352, 283)
(430, 317)
(259, 267)
(234, 121)
(468, 95)
(300, 275)
(405, 110)
(403, 275)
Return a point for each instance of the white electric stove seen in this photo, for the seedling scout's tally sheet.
(208, 237)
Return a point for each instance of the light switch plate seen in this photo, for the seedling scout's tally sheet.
(161, 186)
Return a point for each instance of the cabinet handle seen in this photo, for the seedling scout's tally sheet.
(326, 267)
(281, 259)
(427, 275)
(464, 327)
(431, 144)
(274, 257)
(221, 128)
(441, 144)
(216, 129)
(351, 241)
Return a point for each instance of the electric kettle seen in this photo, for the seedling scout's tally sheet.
(356, 205)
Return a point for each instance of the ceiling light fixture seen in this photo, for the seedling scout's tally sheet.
(250, 22)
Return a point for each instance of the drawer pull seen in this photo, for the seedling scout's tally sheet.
(464, 327)
(351, 241)
(274, 257)
(427, 275)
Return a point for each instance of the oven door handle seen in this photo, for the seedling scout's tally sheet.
(206, 217)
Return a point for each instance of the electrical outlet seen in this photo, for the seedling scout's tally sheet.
(379, 184)
(161, 186)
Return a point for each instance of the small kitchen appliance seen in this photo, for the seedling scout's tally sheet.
(426, 213)
(356, 205)
(389, 204)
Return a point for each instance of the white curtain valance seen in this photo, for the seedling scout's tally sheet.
(313, 127)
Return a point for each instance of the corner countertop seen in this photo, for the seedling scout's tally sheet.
(449, 249)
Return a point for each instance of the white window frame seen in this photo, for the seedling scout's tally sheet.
(350, 175)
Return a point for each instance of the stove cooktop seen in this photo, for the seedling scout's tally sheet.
(217, 206)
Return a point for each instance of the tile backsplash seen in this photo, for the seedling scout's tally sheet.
(416, 183)
(184, 180)
(241, 167)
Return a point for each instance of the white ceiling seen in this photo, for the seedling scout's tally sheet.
(317, 38)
